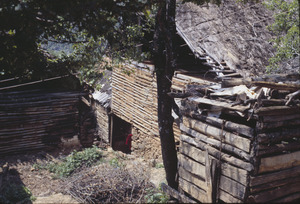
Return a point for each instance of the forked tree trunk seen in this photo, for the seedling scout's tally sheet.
(165, 63)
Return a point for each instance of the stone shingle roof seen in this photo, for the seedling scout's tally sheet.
(233, 32)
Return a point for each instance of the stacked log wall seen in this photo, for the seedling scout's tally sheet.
(102, 118)
(134, 99)
(33, 120)
(277, 176)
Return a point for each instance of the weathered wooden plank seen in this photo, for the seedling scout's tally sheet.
(192, 178)
(273, 184)
(175, 194)
(261, 126)
(290, 198)
(283, 174)
(279, 162)
(278, 110)
(193, 190)
(225, 136)
(227, 198)
(283, 117)
(236, 189)
(279, 135)
(239, 153)
(289, 87)
(192, 166)
(275, 193)
(264, 150)
(198, 154)
(235, 173)
(220, 104)
(193, 79)
(227, 125)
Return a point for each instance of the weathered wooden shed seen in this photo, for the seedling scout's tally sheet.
(240, 135)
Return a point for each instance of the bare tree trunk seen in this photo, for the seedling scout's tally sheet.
(165, 63)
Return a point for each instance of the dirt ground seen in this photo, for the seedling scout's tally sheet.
(46, 189)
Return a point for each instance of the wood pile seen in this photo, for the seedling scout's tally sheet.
(240, 139)
(36, 119)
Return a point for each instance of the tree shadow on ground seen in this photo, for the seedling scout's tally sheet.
(12, 189)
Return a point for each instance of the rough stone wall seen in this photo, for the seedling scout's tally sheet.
(145, 145)
(102, 122)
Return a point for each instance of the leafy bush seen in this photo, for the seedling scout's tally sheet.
(156, 196)
(286, 29)
(14, 193)
(72, 162)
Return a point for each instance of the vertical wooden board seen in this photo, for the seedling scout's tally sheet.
(192, 178)
(279, 162)
(236, 189)
(192, 166)
(193, 190)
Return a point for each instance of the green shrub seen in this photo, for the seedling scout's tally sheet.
(72, 162)
(156, 196)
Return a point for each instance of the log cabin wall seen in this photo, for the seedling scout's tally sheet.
(134, 99)
(44, 116)
(238, 144)
(101, 108)
(32, 120)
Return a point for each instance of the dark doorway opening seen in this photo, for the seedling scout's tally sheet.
(120, 135)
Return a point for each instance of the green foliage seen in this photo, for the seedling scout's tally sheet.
(72, 162)
(80, 31)
(154, 195)
(14, 193)
(159, 165)
(286, 28)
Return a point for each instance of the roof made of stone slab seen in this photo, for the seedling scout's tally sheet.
(232, 32)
